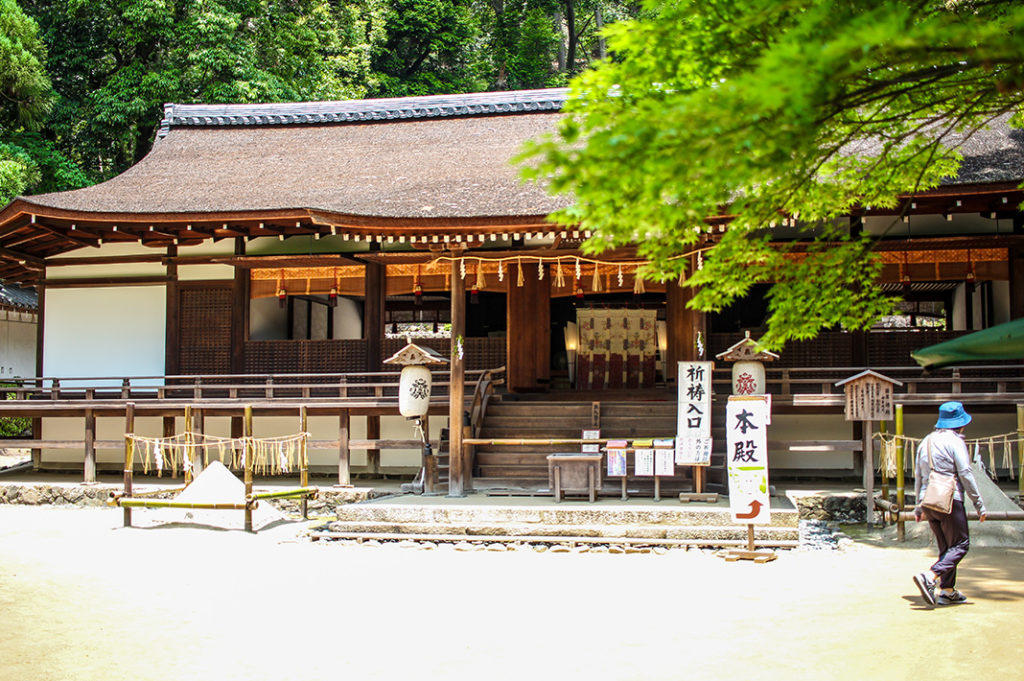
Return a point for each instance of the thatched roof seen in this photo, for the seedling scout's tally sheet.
(421, 157)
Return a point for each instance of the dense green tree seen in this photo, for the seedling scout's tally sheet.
(115, 63)
(24, 96)
(770, 110)
(431, 47)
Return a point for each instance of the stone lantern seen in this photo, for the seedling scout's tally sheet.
(415, 382)
(748, 371)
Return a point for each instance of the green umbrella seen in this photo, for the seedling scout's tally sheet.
(1005, 341)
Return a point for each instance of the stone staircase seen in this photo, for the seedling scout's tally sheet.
(574, 524)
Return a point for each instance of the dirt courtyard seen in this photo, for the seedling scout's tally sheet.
(83, 598)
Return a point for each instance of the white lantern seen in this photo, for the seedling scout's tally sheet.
(414, 391)
(748, 375)
(748, 378)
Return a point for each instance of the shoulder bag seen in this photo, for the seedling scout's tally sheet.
(938, 495)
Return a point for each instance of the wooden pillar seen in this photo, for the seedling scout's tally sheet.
(344, 470)
(683, 326)
(528, 339)
(457, 474)
(373, 455)
(37, 423)
(172, 330)
(373, 314)
(239, 312)
(129, 457)
(90, 446)
(1016, 282)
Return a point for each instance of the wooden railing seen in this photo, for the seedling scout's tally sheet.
(987, 382)
(377, 386)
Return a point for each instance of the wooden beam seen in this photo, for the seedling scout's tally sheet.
(106, 260)
(24, 259)
(101, 282)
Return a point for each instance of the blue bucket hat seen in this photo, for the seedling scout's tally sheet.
(952, 415)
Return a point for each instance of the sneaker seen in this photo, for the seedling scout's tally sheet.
(926, 586)
(950, 597)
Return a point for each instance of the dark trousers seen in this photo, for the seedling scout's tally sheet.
(951, 534)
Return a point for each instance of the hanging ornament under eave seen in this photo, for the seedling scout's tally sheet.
(415, 381)
(282, 297)
(417, 288)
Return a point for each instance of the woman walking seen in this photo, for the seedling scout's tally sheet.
(945, 452)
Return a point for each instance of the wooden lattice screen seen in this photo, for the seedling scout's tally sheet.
(204, 314)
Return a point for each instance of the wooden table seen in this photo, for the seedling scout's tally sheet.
(574, 473)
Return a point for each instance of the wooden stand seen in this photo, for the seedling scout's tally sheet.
(574, 473)
(698, 493)
(750, 553)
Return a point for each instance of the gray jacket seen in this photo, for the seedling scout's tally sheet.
(950, 456)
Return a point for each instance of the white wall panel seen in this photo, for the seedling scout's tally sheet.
(115, 331)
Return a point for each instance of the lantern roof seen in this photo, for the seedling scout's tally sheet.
(868, 373)
(747, 349)
(414, 354)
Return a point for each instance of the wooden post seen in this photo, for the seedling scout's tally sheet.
(373, 455)
(344, 453)
(248, 465)
(187, 456)
(901, 530)
(303, 462)
(883, 428)
(129, 456)
(456, 389)
(90, 446)
(1020, 449)
(869, 473)
(198, 421)
(750, 537)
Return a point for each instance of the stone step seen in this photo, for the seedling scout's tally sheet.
(762, 534)
(403, 514)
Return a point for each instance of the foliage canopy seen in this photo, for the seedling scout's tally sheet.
(769, 110)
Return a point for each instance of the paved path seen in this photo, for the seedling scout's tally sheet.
(83, 599)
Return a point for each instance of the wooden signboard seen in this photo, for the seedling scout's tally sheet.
(868, 396)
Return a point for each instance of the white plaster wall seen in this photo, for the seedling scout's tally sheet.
(115, 331)
(205, 272)
(17, 344)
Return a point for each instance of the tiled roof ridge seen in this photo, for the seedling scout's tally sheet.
(362, 110)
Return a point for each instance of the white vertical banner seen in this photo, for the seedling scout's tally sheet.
(747, 419)
(693, 425)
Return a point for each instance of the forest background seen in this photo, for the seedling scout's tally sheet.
(83, 82)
